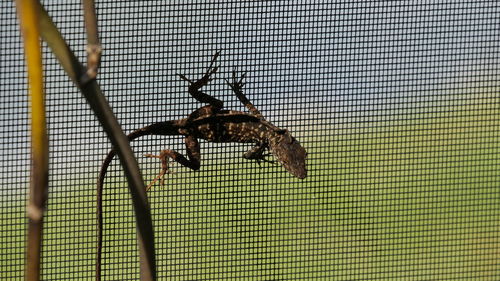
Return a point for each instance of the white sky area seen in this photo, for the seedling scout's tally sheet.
(306, 65)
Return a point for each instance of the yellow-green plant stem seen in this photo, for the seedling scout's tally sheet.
(28, 18)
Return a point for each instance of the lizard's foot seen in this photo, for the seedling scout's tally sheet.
(262, 158)
(164, 156)
(257, 154)
(206, 78)
(237, 85)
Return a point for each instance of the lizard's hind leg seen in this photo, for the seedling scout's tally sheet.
(192, 162)
(195, 86)
(164, 155)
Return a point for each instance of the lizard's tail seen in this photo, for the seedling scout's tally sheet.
(160, 128)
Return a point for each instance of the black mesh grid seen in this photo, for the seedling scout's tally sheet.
(397, 105)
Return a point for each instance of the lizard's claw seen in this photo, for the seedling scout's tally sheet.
(207, 77)
(211, 70)
(183, 77)
(236, 85)
(262, 158)
(164, 169)
(201, 82)
(240, 82)
(257, 155)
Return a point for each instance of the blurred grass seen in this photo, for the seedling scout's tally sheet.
(411, 197)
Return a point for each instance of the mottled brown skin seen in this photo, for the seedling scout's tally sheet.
(213, 124)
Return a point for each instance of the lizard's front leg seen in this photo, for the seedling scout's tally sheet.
(237, 87)
(257, 153)
(192, 161)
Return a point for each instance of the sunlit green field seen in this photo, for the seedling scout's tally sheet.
(410, 197)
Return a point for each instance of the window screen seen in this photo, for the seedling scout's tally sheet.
(396, 103)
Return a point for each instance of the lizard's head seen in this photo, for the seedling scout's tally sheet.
(289, 153)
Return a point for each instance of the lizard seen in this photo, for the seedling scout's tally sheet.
(215, 124)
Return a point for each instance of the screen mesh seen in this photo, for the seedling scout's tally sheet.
(397, 105)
